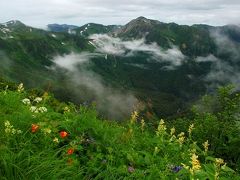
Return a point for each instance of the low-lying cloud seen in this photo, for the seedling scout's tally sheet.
(226, 45)
(115, 46)
(87, 85)
(209, 58)
(225, 64)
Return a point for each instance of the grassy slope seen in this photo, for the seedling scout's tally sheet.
(101, 149)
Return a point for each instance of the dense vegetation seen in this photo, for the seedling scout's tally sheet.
(42, 138)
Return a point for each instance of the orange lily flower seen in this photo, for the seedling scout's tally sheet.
(63, 134)
(34, 128)
(70, 151)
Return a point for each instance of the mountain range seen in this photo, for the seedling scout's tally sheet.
(159, 68)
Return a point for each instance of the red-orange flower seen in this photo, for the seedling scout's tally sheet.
(70, 151)
(63, 134)
(34, 128)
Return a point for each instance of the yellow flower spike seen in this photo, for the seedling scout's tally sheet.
(181, 138)
(195, 162)
(134, 117)
(206, 145)
(56, 140)
(219, 161)
(142, 125)
(191, 127)
(45, 95)
(173, 130)
(161, 127)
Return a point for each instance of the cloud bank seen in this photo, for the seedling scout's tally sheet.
(88, 85)
(225, 67)
(115, 46)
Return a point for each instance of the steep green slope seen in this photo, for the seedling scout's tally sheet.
(29, 51)
(42, 138)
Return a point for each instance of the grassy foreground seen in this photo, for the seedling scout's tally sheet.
(41, 138)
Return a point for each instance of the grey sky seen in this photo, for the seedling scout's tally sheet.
(41, 12)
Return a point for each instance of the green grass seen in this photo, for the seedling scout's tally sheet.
(101, 149)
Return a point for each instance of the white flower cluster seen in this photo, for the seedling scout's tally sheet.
(10, 130)
(66, 109)
(37, 99)
(42, 109)
(20, 87)
(26, 101)
(35, 109)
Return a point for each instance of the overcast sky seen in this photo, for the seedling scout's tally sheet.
(38, 13)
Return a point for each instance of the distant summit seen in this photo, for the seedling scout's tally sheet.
(137, 28)
(61, 27)
(13, 23)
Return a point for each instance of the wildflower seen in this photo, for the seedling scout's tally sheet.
(134, 117)
(20, 87)
(56, 140)
(63, 134)
(176, 169)
(205, 145)
(42, 109)
(131, 169)
(19, 132)
(195, 163)
(26, 101)
(66, 109)
(34, 128)
(191, 127)
(142, 125)
(219, 161)
(5, 91)
(156, 150)
(13, 131)
(37, 99)
(161, 127)
(70, 151)
(7, 123)
(34, 109)
(181, 138)
(8, 130)
(173, 130)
